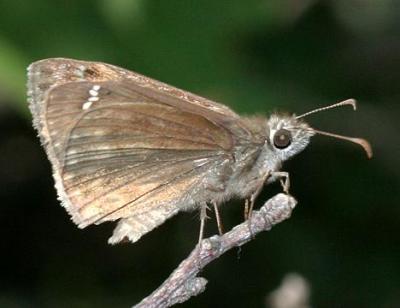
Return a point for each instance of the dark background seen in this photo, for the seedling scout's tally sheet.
(255, 56)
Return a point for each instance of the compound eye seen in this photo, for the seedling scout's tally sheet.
(282, 139)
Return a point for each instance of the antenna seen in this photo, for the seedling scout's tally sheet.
(352, 102)
(362, 142)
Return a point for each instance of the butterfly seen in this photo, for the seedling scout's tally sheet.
(124, 147)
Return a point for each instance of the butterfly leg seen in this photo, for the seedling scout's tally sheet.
(250, 202)
(246, 209)
(250, 205)
(203, 217)
(218, 218)
(284, 179)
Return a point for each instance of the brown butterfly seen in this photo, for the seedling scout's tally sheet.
(126, 147)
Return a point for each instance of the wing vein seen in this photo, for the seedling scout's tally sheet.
(150, 191)
(128, 181)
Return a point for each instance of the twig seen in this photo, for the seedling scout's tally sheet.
(183, 283)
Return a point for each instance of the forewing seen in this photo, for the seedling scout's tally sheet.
(119, 143)
(48, 73)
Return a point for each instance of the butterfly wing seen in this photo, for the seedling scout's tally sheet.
(123, 145)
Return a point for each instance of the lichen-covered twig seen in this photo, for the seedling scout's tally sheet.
(183, 283)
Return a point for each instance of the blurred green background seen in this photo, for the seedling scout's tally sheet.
(255, 56)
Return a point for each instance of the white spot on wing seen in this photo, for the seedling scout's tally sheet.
(93, 97)
(86, 105)
(79, 72)
(93, 92)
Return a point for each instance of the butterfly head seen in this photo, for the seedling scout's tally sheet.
(289, 134)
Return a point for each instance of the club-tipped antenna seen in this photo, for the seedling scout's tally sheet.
(352, 102)
(362, 142)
